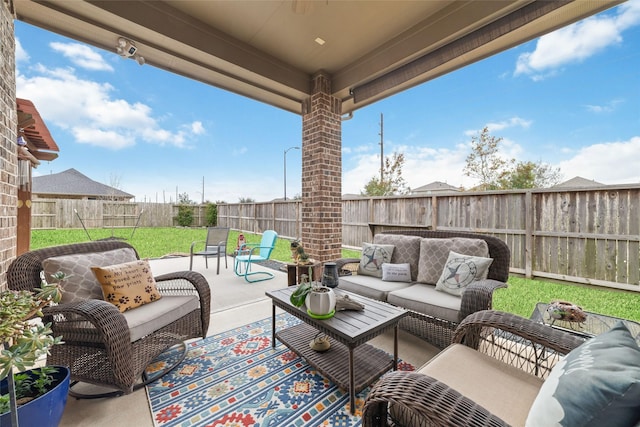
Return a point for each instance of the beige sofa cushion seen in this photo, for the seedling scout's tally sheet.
(503, 390)
(369, 286)
(434, 254)
(426, 299)
(407, 250)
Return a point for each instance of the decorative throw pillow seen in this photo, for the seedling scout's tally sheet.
(127, 285)
(373, 256)
(406, 249)
(396, 272)
(435, 251)
(460, 270)
(81, 283)
(596, 384)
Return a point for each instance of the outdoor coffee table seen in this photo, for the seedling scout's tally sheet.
(350, 363)
(594, 325)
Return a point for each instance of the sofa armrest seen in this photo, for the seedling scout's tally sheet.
(423, 400)
(515, 340)
(342, 262)
(478, 296)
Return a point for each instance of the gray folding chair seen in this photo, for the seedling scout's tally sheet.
(215, 245)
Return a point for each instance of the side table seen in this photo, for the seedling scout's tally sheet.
(594, 325)
(295, 272)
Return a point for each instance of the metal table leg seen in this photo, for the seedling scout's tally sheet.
(273, 325)
(352, 383)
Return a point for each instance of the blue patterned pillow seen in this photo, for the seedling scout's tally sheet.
(596, 384)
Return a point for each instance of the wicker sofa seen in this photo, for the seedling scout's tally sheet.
(102, 345)
(433, 315)
(503, 369)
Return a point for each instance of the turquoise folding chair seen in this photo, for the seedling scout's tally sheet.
(249, 253)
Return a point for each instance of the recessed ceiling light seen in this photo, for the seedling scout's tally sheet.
(320, 41)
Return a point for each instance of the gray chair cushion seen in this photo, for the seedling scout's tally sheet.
(425, 299)
(149, 318)
(81, 283)
(369, 286)
(407, 250)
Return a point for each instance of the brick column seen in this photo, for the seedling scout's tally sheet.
(322, 172)
(8, 148)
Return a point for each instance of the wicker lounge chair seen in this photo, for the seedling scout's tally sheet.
(508, 356)
(100, 346)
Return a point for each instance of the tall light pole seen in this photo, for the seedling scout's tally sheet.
(285, 169)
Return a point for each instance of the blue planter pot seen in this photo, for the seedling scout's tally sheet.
(46, 410)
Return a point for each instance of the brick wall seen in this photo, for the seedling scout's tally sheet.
(8, 135)
(322, 172)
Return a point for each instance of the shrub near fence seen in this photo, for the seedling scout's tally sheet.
(589, 236)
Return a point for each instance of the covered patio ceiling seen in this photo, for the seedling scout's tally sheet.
(269, 50)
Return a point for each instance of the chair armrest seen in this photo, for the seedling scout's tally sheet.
(345, 261)
(92, 321)
(425, 401)
(515, 340)
(478, 296)
(188, 283)
(194, 243)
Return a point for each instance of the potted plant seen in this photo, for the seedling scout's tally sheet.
(24, 339)
(320, 300)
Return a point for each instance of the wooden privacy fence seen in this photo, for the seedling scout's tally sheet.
(71, 213)
(589, 236)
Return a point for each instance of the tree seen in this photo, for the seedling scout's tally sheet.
(391, 182)
(185, 210)
(246, 200)
(530, 175)
(483, 162)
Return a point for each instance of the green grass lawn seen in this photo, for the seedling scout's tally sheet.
(520, 297)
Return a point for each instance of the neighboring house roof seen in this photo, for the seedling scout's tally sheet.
(579, 182)
(434, 187)
(72, 182)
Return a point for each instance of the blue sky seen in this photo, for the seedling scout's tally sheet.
(570, 99)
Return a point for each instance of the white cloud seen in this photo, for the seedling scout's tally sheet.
(504, 124)
(197, 128)
(577, 42)
(606, 108)
(82, 56)
(90, 112)
(608, 162)
(422, 166)
(21, 54)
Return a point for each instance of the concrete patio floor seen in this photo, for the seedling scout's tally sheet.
(234, 303)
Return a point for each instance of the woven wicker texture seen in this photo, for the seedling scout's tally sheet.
(97, 345)
(478, 295)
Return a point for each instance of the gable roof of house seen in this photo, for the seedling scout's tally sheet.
(72, 182)
(579, 182)
(435, 186)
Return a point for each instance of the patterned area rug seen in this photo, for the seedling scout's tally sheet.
(236, 379)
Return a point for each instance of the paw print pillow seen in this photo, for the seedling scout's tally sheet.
(127, 285)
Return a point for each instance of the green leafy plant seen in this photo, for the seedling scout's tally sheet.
(24, 338)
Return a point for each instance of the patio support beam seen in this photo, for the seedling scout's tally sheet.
(322, 171)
